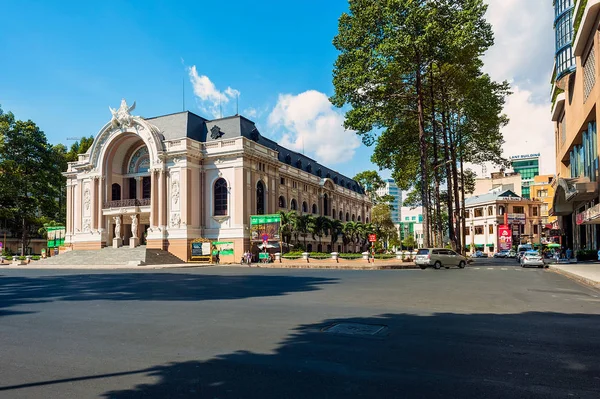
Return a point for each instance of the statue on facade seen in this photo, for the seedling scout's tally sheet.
(134, 225)
(117, 227)
(122, 116)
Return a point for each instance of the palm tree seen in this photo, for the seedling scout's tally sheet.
(304, 225)
(336, 229)
(288, 222)
(363, 231)
(320, 228)
(349, 233)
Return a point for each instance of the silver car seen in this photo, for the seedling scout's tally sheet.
(438, 257)
(532, 258)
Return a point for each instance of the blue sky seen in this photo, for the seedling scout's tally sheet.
(66, 62)
(70, 60)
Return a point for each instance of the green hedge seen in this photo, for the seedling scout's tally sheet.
(587, 254)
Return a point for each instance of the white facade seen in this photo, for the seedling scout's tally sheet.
(411, 223)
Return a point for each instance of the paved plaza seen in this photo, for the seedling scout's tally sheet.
(488, 331)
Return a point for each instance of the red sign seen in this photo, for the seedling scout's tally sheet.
(372, 237)
(504, 238)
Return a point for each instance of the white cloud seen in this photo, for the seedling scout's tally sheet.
(530, 129)
(311, 124)
(210, 99)
(523, 55)
(250, 112)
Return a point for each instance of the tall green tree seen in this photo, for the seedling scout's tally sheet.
(381, 219)
(336, 229)
(320, 227)
(407, 69)
(30, 177)
(288, 225)
(305, 226)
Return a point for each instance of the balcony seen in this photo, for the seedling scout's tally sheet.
(126, 203)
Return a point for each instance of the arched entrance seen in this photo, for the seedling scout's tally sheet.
(127, 185)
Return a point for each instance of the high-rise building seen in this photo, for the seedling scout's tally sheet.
(392, 189)
(411, 224)
(528, 166)
(575, 112)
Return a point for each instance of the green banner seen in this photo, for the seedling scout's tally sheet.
(56, 236)
(265, 219)
(223, 247)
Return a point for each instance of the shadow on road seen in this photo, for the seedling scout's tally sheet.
(528, 355)
(147, 287)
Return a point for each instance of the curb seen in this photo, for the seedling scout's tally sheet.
(576, 277)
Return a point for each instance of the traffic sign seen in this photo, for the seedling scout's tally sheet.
(372, 237)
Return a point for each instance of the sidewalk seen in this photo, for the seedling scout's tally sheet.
(358, 264)
(587, 272)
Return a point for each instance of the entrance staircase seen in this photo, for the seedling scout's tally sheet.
(139, 256)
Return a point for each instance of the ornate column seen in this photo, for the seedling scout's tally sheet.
(101, 199)
(182, 189)
(94, 203)
(162, 198)
(69, 215)
(153, 198)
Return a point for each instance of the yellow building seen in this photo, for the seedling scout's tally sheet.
(542, 190)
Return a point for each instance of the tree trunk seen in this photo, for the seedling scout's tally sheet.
(423, 153)
(462, 194)
(459, 211)
(449, 181)
(436, 165)
(23, 238)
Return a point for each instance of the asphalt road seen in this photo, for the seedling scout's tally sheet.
(492, 330)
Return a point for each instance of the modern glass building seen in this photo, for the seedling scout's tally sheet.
(528, 166)
(563, 37)
(392, 189)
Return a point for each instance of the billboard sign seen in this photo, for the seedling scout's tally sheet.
(223, 247)
(515, 218)
(56, 236)
(265, 227)
(525, 156)
(504, 238)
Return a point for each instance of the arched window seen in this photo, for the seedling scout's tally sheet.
(367, 220)
(220, 196)
(304, 207)
(116, 192)
(333, 213)
(293, 205)
(309, 248)
(490, 211)
(353, 218)
(320, 248)
(281, 202)
(359, 218)
(325, 205)
(341, 216)
(347, 217)
(314, 208)
(260, 198)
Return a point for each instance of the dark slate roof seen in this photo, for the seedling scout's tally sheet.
(181, 124)
(203, 130)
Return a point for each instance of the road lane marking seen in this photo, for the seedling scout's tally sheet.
(490, 268)
(503, 268)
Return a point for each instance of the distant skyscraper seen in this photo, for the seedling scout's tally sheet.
(392, 189)
(528, 166)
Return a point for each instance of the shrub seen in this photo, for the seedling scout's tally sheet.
(35, 257)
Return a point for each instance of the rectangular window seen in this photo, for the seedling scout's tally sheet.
(478, 212)
(491, 229)
(518, 209)
(146, 183)
(282, 180)
(294, 184)
(535, 211)
(535, 229)
(478, 230)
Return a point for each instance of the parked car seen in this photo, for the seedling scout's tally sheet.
(479, 254)
(502, 254)
(438, 257)
(511, 254)
(532, 258)
(521, 249)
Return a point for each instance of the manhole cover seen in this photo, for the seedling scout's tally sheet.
(355, 329)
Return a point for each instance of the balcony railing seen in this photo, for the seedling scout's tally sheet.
(127, 202)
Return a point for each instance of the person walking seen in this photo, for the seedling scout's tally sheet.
(217, 257)
(569, 253)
